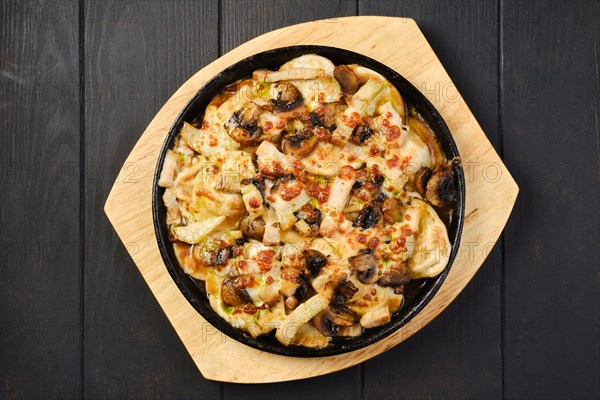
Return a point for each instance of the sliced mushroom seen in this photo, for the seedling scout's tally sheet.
(360, 134)
(346, 78)
(324, 116)
(343, 291)
(392, 210)
(288, 97)
(312, 219)
(303, 289)
(440, 189)
(341, 315)
(368, 217)
(299, 144)
(421, 178)
(243, 125)
(394, 278)
(233, 295)
(315, 260)
(253, 228)
(212, 253)
(366, 265)
(324, 324)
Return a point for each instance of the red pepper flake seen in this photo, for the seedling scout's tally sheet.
(367, 296)
(319, 191)
(346, 172)
(406, 231)
(254, 203)
(249, 309)
(392, 133)
(268, 125)
(242, 264)
(373, 243)
(205, 124)
(270, 280)
(373, 291)
(361, 238)
(374, 151)
(393, 162)
(321, 97)
(407, 217)
(289, 192)
(212, 140)
(265, 256)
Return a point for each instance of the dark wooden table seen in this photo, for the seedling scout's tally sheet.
(79, 82)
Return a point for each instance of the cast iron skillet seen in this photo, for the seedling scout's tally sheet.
(417, 294)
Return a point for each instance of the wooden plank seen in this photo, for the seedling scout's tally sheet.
(39, 206)
(459, 355)
(240, 22)
(551, 108)
(243, 20)
(488, 206)
(137, 54)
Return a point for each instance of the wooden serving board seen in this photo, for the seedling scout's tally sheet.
(396, 42)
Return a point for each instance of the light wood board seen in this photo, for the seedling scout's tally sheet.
(396, 42)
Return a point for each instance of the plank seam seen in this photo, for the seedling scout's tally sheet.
(501, 153)
(81, 38)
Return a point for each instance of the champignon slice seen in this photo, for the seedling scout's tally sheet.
(394, 278)
(303, 289)
(421, 178)
(309, 219)
(243, 125)
(366, 265)
(368, 217)
(288, 98)
(440, 189)
(324, 116)
(360, 134)
(324, 324)
(346, 78)
(233, 295)
(253, 228)
(299, 144)
(315, 260)
(343, 291)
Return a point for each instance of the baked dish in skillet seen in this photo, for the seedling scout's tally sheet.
(306, 199)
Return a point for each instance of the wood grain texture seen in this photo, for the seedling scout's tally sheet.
(240, 22)
(128, 206)
(551, 113)
(137, 55)
(459, 355)
(39, 230)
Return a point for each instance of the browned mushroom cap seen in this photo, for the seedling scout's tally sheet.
(421, 178)
(440, 189)
(232, 294)
(343, 292)
(341, 315)
(288, 97)
(243, 125)
(299, 144)
(392, 210)
(368, 217)
(322, 321)
(312, 217)
(394, 278)
(253, 228)
(314, 260)
(366, 265)
(303, 289)
(328, 321)
(214, 252)
(360, 134)
(346, 78)
(324, 116)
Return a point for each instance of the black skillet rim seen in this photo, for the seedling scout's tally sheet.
(273, 59)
